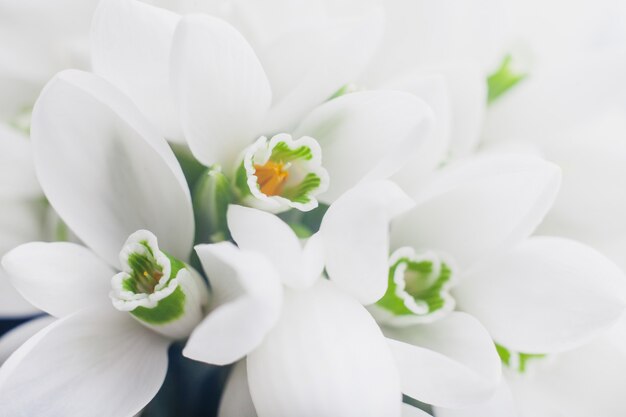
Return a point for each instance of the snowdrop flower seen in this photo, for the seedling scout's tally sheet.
(311, 347)
(502, 268)
(464, 247)
(226, 98)
(121, 300)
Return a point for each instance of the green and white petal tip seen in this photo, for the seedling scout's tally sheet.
(519, 362)
(160, 291)
(282, 173)
(418, 291)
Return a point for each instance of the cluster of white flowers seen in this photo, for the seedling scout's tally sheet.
(368, 208)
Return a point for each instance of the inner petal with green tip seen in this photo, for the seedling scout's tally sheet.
(418, 288)
(158, 290)
(518, 361)
(282, 173)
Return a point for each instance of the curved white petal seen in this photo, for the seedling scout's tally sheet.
(468, 101)
(355, 235)
(451, 362)
(220, 87)
(590, 203)
(545, 295)
(59, 278)
(325, 357)
(105, 169)
(501, 404)
(12, 304)
(247, 299)
(308, 64)
(12, 340)
(16, 166)
(479, 206)
(433, 89)
(259, 231)
(367, 135)
(84, 364)
(130, 47)
(236, 400)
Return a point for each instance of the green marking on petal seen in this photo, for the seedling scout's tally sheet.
(502, 80)
(301, 192)
(517, 361)
(167, 310)
(283, 153)
(418, 286)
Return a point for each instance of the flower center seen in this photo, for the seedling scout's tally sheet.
(271, 177)
(418, 290)
(158, 290)
(146, 272)
(282, 173)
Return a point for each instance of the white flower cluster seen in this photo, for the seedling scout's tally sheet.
(351, 208)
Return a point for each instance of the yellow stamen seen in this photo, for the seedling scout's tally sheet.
(271, 177)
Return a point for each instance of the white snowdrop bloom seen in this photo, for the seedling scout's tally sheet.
(479, 214)
(121, 300)
(270, 127)
(312, 347)
(465, 247)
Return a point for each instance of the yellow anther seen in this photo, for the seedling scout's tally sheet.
(271, 177)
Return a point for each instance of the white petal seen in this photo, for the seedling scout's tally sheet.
(59, 278)
(491, 201)
(325, 357)
(258, 231)
(590, 202)
(247, 299)
(106, 170)
(308, 64)
(501, 404)
(433, 89)
(452, 362)
(16, 166)
(236, 400)
(355, 234)
(84, 364)
(468, 102)
(545, 295)
(366, 135)
(220, 87)
(130, 47)
(10, 341)
(12, 304)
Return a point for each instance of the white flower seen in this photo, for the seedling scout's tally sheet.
(310, 346)
(108, 174)
(227, 98)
